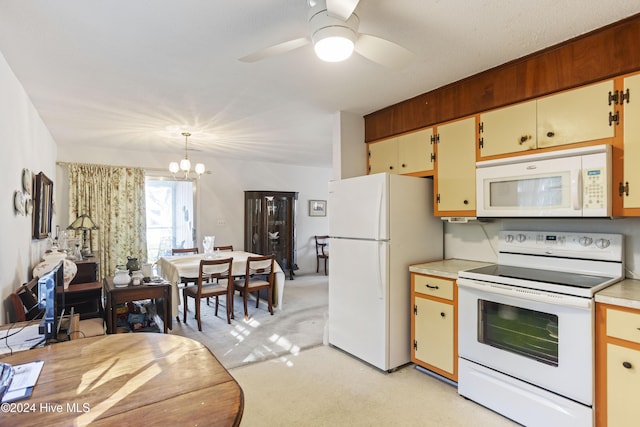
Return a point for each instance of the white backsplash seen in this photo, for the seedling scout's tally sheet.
(478, 240)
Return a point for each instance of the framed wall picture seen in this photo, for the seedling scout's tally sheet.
(317, 208)
(42, 206)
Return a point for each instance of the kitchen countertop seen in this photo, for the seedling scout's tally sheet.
(446, 268)
(625, 294)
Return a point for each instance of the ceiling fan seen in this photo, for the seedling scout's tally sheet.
(334, 34)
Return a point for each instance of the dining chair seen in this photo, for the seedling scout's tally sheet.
(25, 302)
(182, 251)
(322, 252)
(215, 278)
(186, 280)
(223, 248)
(259, 275)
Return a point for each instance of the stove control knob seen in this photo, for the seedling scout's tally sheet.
(602, 243)
(585, 241)
(508, 238)
(521, 238)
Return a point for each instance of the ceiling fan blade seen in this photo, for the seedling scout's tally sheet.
(275, 49)
(383, 51)
(341, 8)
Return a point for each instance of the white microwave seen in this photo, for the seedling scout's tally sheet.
(566, 183)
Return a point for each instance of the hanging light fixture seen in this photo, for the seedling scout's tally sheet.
(185, 164)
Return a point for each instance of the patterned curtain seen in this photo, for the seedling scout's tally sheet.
(114, 199)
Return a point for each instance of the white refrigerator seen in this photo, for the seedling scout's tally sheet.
(378, 225)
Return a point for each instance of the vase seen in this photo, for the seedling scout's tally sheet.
(121, 278)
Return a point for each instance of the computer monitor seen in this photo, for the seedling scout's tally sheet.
(48, 301)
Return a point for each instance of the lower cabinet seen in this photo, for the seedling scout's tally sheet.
(617, 366)
(433, 324)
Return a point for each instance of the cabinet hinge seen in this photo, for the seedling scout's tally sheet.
(624, 96)
(614, 118)
(438, 198)
(435, 138)
(613, 97)
(369, 154)
(623, 189)
(415, 309)
(481, 127)
(433, 157)
(415, 345)
(481, 142)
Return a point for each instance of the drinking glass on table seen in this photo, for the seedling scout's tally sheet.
(208, 244)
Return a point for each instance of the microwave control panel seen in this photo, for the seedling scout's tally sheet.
(594, 188)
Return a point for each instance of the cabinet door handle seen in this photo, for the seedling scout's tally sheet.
(432, 287)
(627, 365)
(550, 134)
(442, 314)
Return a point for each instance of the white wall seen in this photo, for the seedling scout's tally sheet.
(349, 150)
(220, 195)
(478, 241)
(26, 143)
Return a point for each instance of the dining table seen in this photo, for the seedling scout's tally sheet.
(175, 268)
(126, 379)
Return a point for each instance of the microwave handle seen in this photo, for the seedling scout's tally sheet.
(576, 197)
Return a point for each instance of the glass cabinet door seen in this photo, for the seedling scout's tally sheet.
(270, 226)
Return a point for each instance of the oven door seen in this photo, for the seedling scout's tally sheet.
(528, 335)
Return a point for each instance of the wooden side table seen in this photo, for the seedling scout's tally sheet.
(130, 293)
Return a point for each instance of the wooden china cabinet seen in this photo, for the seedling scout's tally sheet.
(269, 226)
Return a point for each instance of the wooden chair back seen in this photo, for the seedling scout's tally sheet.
(322, 252)
(175, 251)
(223, 248)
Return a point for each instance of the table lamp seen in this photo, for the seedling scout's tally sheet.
(84, 223)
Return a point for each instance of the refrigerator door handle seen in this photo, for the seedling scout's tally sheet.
(380, 199)
(380, 285)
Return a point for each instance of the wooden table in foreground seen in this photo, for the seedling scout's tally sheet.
(128, 379)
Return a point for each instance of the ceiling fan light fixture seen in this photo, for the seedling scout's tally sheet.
(334, 44)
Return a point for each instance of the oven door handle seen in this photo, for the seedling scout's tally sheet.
(526, 293)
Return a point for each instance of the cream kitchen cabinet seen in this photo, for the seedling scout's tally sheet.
(408, 154)
(508, 130)
(383, 156)
(629, 188)
(617, 366)
(433, 324)
(577, 115)
(455, 183)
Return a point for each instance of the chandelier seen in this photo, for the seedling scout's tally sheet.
(185, 164)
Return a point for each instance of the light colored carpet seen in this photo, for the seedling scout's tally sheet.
(300, 324)
(323, 386)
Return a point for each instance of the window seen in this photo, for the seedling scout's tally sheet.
(170, 215)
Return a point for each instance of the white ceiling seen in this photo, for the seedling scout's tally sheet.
(134, 74)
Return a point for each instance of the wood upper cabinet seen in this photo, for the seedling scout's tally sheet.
(578, 115)
(433, 324)
(630, 185)
(408, 154)
(455, 183)
(617, 366)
